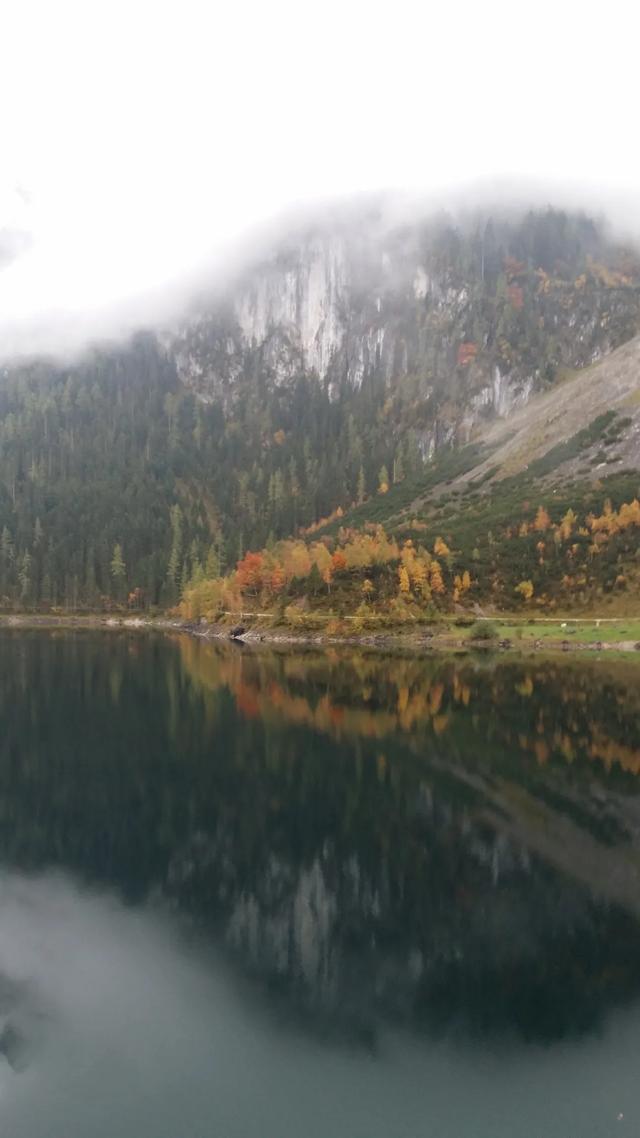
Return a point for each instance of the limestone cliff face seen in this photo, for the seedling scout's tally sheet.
(472, 328)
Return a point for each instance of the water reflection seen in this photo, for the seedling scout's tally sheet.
(444, 846)
(146, 1038)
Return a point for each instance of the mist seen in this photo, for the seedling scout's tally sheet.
(149, 147)
(144, 1035)
(64, 332)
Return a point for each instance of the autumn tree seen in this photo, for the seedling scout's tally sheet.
(277, 580)
(542, 520)
(461, 584)
(249, 573)
(435, 578)
(567, 524)
(525, 589)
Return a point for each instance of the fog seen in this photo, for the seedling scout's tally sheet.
(64, 331)
(141, 1036)
(150, 146)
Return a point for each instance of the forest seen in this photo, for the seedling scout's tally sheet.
(374, 578)
(122, 486)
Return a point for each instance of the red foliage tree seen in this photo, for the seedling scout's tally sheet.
(338, 562)
(249, 573)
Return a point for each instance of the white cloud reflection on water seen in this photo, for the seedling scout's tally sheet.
(142, 1037)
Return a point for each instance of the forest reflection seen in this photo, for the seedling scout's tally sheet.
(448, 845)
(547, 710)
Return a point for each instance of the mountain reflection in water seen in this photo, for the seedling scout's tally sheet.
(444, 845)
(259, 894)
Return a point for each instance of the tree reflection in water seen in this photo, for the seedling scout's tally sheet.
(447, 845)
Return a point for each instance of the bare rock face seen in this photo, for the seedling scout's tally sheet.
(450, 312)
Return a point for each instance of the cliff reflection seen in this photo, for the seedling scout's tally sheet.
(445, 845)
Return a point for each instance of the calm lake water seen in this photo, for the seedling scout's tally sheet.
(259, 894)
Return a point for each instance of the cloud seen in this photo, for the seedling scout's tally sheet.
(153, 137)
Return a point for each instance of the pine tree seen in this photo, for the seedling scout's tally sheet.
(314, 581)
(174, 566)
(362, 486)
(24, 577)
(118, 571)
(90, 585)
(212, 566)
(7, 560)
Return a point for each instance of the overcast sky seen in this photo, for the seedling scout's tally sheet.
(140, 138)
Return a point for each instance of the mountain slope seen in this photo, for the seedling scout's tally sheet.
(579, 432)
(541, 510)
(361, 355)
(552, 418)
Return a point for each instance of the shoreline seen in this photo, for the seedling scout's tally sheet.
(430, 641)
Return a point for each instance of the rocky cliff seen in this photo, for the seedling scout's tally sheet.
(331, 369)
(471, 317)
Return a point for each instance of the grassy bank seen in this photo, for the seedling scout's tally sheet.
(572, 630)
(503, 634)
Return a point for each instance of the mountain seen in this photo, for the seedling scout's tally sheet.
(468, 319)
(367, 351)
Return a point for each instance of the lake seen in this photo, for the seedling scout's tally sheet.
(256, 893)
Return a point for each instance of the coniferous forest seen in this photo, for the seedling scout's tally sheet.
(116, 478)
(122, 483)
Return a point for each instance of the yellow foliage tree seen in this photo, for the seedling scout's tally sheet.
(566, 525)
(435, 578)
(404, 583)
(542, 520)
(525, 589)
(420, 578)
(440, 548)
(462, 583)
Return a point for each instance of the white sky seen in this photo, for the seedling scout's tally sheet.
(149, 135)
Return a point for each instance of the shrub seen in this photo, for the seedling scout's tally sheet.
(483, 630)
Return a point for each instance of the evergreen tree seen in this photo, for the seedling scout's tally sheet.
(361, 493)
(24, 578)
(175, 564)
(118, 572)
